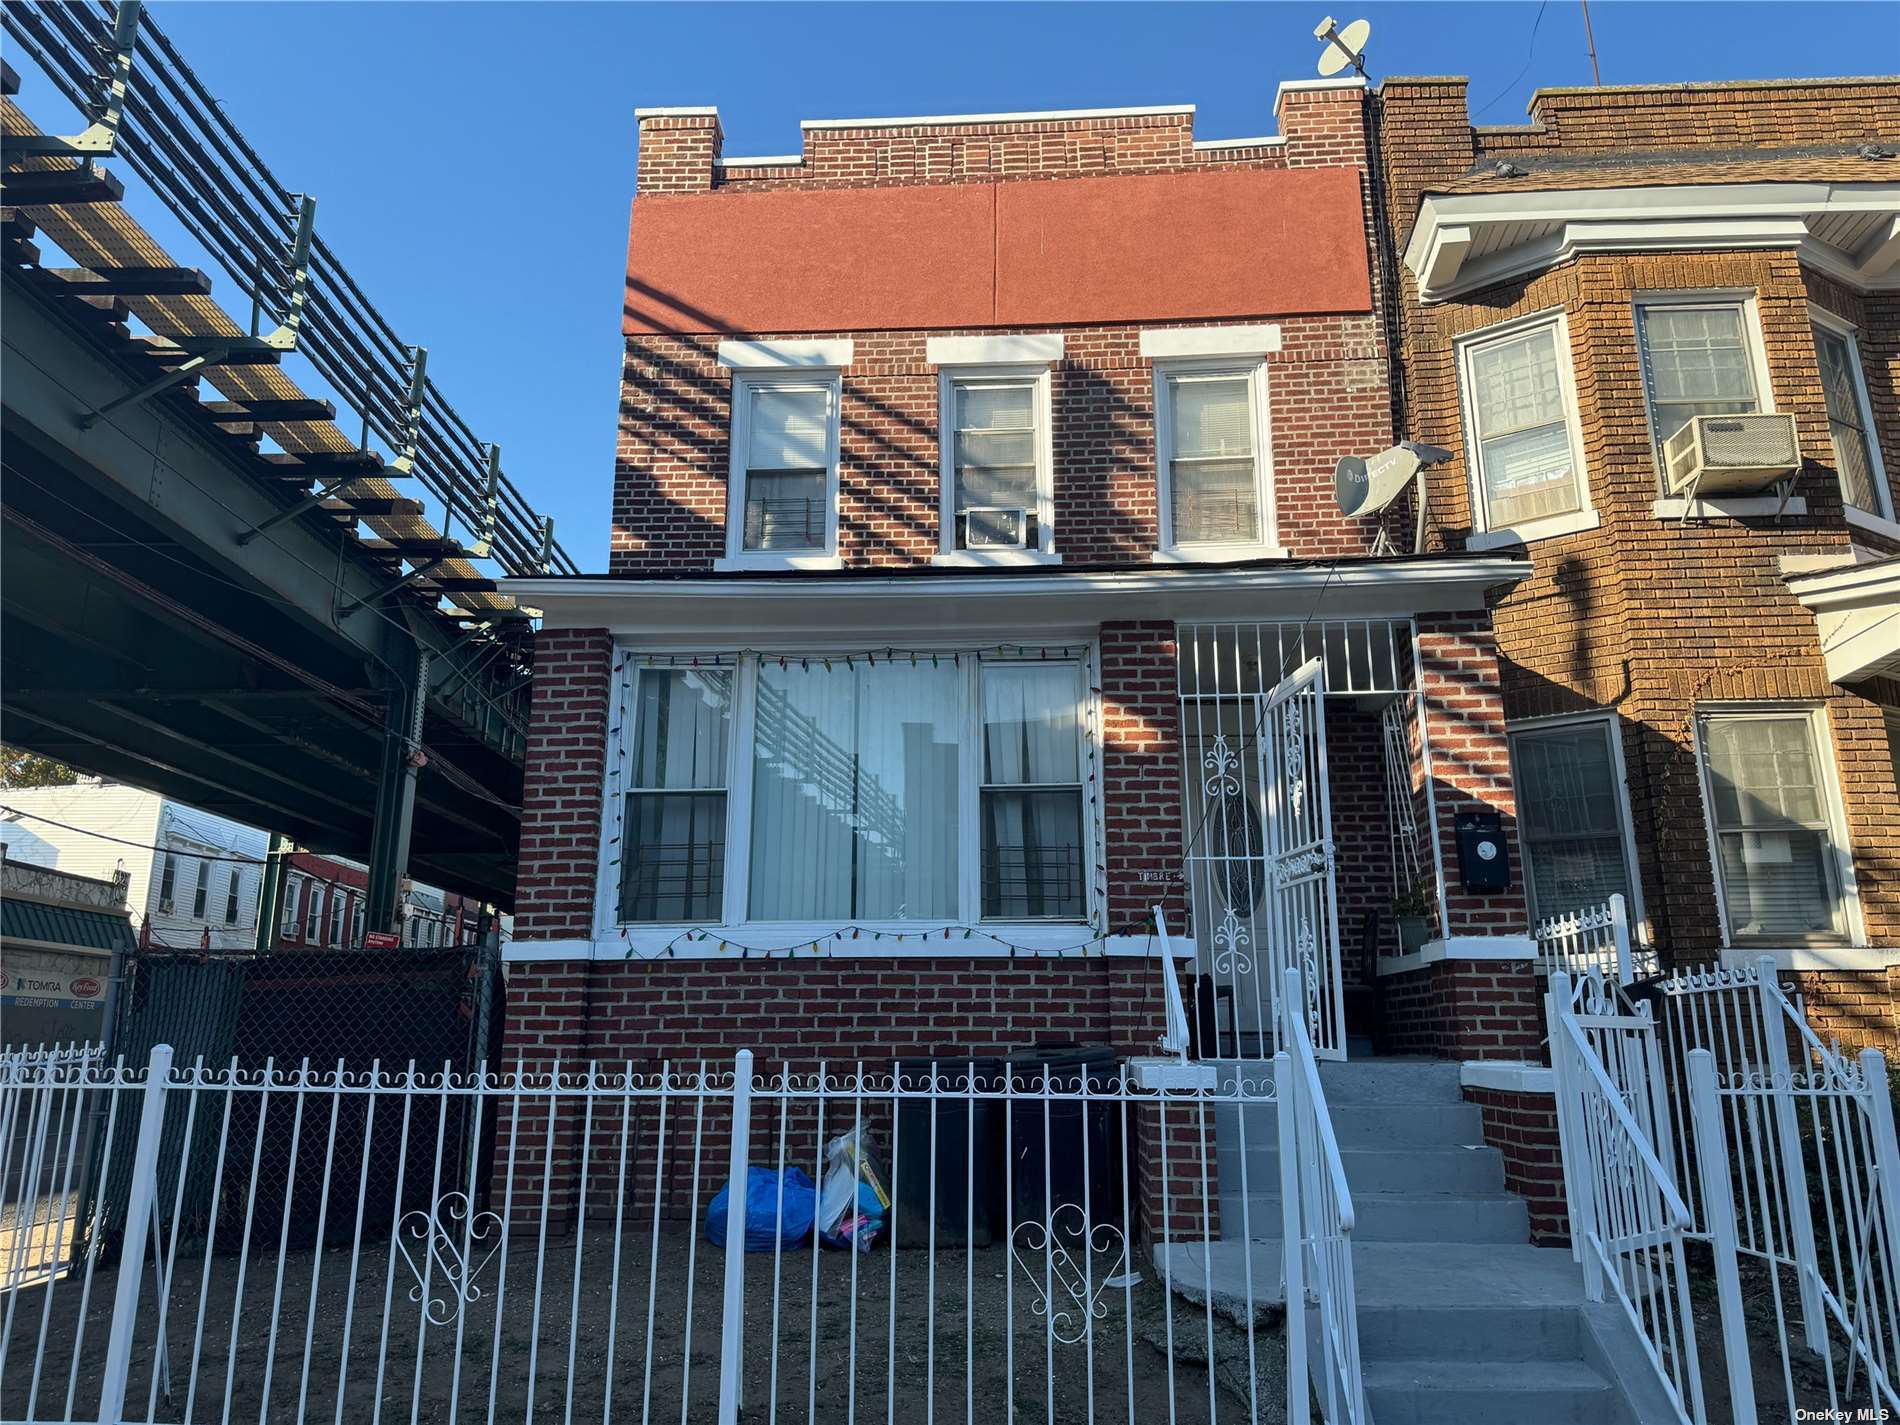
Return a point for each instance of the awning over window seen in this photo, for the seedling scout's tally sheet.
(1857, 613)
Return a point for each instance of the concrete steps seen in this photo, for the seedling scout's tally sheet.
(1461, 1320)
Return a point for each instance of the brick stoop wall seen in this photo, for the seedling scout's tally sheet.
(1463, 1009)
(1523, 1126)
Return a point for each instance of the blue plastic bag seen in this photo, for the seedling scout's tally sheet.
(764, 1229)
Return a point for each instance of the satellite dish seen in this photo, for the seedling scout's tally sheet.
(1364, 487)
(1344, 48)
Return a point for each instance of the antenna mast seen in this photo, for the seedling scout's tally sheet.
(1590, 43)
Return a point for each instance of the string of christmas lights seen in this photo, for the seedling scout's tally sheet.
(824, 944)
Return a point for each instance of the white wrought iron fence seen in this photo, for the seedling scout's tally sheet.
(1787, 1148)
(42, 1162)
(1594, 939)
(1628, 1221)
(1016, 1242)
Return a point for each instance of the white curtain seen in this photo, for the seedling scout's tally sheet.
(1524, 438)
(854, 793)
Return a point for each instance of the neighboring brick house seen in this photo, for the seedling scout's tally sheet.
(975, 546)
(325, 900)
(1704, 697)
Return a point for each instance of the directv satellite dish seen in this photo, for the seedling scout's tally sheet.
(1344, 48)
(1366, 486)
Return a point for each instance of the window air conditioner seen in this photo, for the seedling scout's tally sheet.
(1731, 455)
(995, 527)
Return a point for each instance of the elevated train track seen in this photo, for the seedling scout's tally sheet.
(273, 603)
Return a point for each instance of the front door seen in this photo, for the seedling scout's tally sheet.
(1260, 866)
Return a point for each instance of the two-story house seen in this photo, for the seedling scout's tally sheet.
(978, 583)
(1659, 327)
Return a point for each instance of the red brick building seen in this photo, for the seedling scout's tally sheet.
(978, 583)
(1702, 674)
(325, 902)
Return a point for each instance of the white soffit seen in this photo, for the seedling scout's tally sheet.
(1038, 349)
(1163, 343)
(709, 609)
(1856, 616)
(781, 355)
(1464, 241)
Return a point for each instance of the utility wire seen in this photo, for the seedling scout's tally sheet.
(1528, 57)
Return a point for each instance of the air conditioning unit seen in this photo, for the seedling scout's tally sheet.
(1731, 455)
(995, 527)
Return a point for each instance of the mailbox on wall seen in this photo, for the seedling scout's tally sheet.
(1484, 863)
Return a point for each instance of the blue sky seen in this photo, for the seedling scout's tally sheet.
(474, 162)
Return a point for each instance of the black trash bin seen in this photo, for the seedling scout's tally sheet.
(967, 1157)
(1066, 1153)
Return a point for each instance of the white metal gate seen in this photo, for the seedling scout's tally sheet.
(1260, 857)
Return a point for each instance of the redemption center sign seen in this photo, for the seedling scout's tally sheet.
(50, 984)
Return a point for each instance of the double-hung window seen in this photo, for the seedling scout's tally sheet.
(356, 924)
(1572, 815)
(673, 853)
(1211, 434)
(783, 495)
(1779, 847)
(1701, 357)
(1850, 419)
(1033, 858)
(997, 461)
(313, 912)
(198, 888)
(293, 901)
(231, 886)
(854, 789)
(1521, 425)
(168, 883)
(336, 919)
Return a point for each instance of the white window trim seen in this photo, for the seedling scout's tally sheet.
(650, 937)
(1585, 517)
(292, 914)
(1626, 823)
(1855, 929)
(1883, 492)
(1757, 356)
(738, 557)
(1045, 550)
(1254, 367)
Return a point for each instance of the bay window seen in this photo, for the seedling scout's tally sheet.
(845, 790)
(1572, 816)
(1778, 844)
(1520, 420)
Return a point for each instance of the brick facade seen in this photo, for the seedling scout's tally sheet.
(1464, 1009)
(1644, 617)
(1523, 1127)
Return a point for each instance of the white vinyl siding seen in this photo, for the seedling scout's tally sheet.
(1521, 424)
(1778, 843)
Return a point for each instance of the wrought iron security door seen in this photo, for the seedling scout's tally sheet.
(1259, 862)
(1302, 903)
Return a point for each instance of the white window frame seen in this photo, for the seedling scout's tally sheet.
(1741, 298)
(233, 893)
(1613, 730)
(744, 383)
(292, 916)
(1854, 928)
(333, 927)
(313, 912)
(1883, 492)
(1485, 534)
(1254, 368)
(168, 873)
(653, 936)
(1044, 552)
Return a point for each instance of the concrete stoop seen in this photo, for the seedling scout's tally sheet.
(1461, 1320)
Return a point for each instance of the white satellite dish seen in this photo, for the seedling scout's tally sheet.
(1366, 486)
(1344, 48)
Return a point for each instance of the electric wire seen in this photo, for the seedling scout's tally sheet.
(1529, 57)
